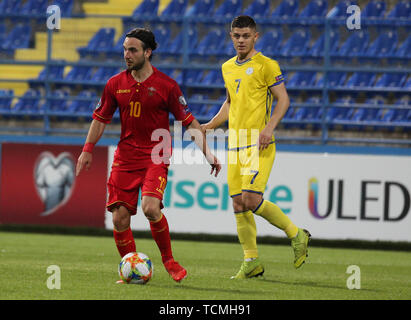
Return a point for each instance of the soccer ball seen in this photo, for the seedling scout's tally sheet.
(135, 267)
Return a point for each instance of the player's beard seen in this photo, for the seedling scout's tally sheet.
(137, 66)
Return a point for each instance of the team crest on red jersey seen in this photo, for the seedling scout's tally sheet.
(151, 91)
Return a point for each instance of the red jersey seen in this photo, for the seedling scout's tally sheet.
(144, 107)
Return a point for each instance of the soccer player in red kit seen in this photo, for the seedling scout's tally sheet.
(145, 97)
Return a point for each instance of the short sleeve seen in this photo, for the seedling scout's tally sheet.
(106, 106)
(272, 73)
(177, 105)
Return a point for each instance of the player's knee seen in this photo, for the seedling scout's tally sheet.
(251, 200)
(238, 204)
(151, 210)
(121, 219)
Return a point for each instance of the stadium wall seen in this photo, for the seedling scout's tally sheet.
(338, 193)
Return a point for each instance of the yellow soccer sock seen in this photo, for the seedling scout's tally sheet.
(274, 215)
(247, 233)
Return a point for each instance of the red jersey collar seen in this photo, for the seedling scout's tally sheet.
(133, 81)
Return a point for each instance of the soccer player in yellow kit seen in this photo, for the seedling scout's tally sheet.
(252, 81)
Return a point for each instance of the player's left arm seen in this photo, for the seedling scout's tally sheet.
(199, 138)
(283, 102)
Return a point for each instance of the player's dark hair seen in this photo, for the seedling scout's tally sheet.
(243, 22)
(146, 36)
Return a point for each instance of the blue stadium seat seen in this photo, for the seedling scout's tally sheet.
(103, 39)
(317, 49)
(201, 8)
(372, 114)
(355, 116)
(297, 44)
(177, 75)
(374, 9)
(104, 73)
(402, 10)
(3, 32)
(211, 44)
(6, 97)
(162, 35)
(228, 9)
(167, 71)
(213, 77)
(83, 106)
(66, 7)
(315, 8)
(336, 114)
(383, 46)
(313, 114)
(29, 103)
(79, 73)
(299, 115)
(192, 76)
(17, 38)
(10, 6)
(288, 115)
(404, 49)
(175, 8)
(116, 50)
(211, 111)
(198, 109)
(335, 79)
(197, 105)
(391, 80)
(355, 45)
(229, 48)
(146, 8)
(386, 115)
(302, 79)
(369, 118)
(361, 79)
(176, 45)
(286, 9)
(55, 72)
(408, 83)
(59, 103)
(258, 9)
(270, 42)
(34, 7)
(403, 113)
(345, 118)
(290, 111)
(342, 8)
(400, 116)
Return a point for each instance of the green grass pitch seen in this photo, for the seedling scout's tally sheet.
(88, 267)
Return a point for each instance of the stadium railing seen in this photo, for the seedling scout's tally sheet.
(313, 113)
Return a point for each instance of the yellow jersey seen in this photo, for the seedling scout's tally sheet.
(248, 85)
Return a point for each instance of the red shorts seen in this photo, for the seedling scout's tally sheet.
(123, 186)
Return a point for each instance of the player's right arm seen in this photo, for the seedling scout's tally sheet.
(220, 117)
(101, 116)
(94, 134)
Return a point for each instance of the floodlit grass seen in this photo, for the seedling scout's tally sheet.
(88, 268)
